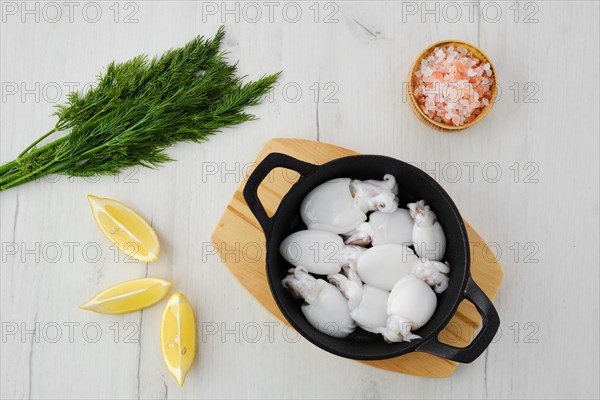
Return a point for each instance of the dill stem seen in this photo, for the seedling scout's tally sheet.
(5, 169)
(27, 177)
(36, 142)
(11, 176)
(7, 180)
(18, 178)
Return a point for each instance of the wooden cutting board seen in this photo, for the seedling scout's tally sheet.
(239, 230)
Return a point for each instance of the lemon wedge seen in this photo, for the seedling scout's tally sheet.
(128, 296)
(125, 228)
(178, 336)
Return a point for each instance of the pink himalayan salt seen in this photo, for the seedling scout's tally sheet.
(452, 86)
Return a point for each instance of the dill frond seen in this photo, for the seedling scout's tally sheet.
(138, 109)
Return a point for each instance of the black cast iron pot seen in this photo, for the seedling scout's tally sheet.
(413, 185)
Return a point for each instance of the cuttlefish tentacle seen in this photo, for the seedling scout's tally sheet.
(432, 273)
(371, 195)
(301, 284)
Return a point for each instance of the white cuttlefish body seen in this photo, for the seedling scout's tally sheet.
(410, 305)
(368, 304)
(341, 204)
(382, 266)
(320, 252)
(428, 236)
(325, 307)
(384, 228)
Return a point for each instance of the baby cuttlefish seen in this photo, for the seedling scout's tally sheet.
(325, 307)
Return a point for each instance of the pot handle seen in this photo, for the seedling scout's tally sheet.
(269, 163)
(490, 324)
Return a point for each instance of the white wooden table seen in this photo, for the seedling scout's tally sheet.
(526, 178)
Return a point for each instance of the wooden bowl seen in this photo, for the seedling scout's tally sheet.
(441, 126)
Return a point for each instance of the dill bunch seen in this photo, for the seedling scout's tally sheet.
(139, 108)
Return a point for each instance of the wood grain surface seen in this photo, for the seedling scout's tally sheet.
(238, 228)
